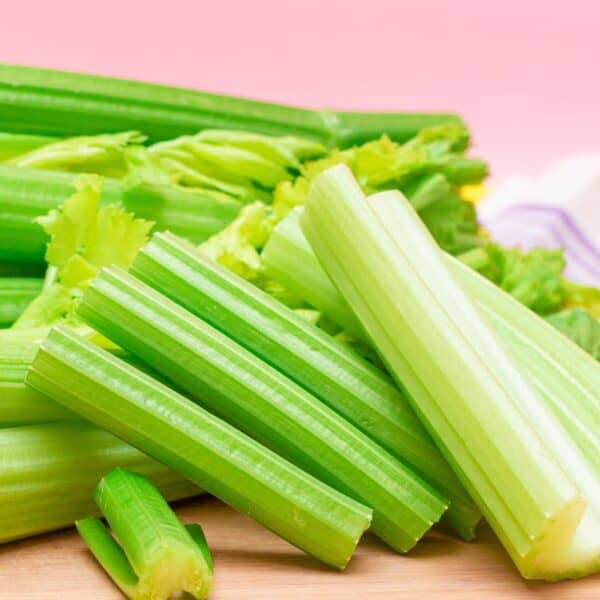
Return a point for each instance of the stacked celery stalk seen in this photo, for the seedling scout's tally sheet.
(228, 311)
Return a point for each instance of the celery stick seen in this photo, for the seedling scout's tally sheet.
(19, 404)
(206, 450)
(58, 103)
(15, 294)
(157, 556)
(48, 473)
(288, 258)
(29, 193)
(325, 367)
(542, 352)
(518, 462)
(567, 377)
(237, 386)
(14, 144)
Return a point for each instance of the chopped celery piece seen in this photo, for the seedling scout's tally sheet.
(157, 556)
(206, 450)
(26, 194)
(48, 474)
(15, 294)
(19, 404)
(517, 460)
(58, 103)
(234, 384)
(322, 365)
(14, 144)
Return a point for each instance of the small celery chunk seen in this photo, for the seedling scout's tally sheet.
(158, 556)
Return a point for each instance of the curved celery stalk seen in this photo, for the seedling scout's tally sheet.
(228, 380)
(325, 367)
(26, 194)
(15, 294)
(206, 450)
(59, 103)
(48, 474)
(158, 557)
(526, 474)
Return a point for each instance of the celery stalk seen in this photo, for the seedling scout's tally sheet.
(527, 475)
(232, 383)
(48, 473)
(15, 294)
(59, 103)
(19, 404)
(157, 556)
(233, 467)
(29, 193)
(328, 369)
(288, 258)
(543, 352)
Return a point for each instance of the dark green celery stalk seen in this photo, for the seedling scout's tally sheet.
(146, 413)
(234, 384)
(15, 294)
(322, 365)
(58, 103)
(29, 193)
(48, 474)
(157, 556)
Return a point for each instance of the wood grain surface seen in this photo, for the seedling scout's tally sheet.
(252, 563)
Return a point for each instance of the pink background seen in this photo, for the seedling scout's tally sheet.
(525, 75)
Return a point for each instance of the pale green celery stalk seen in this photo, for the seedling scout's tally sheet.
(29, 193)
(288, 258)
(19, 404)
(57, 103)
(566, 376)
(234, 384)
(542, 352)
(157, 556)
(14, 144)
(204, 449)
(522, 468)
(325, 367)
(15, 294)
(48, 474)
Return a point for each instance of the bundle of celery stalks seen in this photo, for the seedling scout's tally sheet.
(295, 311)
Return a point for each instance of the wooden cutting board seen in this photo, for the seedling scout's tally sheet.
(253, 564)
